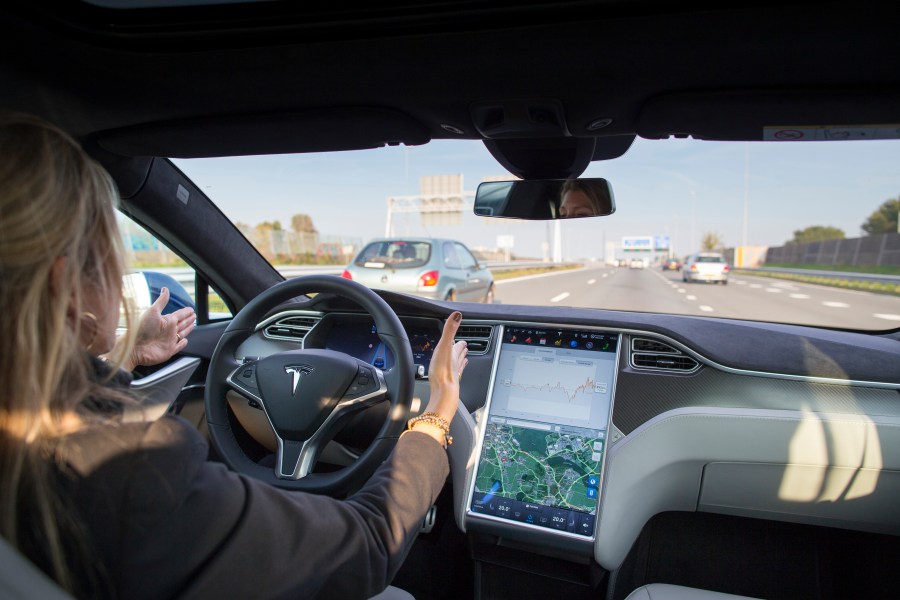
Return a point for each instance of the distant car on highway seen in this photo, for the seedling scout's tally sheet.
(705, 266)
(636, 263)
(433, 268)
(671, 265)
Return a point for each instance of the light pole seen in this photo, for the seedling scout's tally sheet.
(693, 219)
(746, 192)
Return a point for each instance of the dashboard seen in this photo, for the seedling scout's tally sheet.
(633, 415)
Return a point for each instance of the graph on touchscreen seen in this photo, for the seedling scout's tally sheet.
(562, 388)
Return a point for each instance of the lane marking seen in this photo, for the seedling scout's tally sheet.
(562, 296)
(755, 286)
(740, 282)
(682, 291)
(836, 304)
(799, 296)
(773, 290)
(593, 281)
(887, 317)
(706, 308)
(691, 297)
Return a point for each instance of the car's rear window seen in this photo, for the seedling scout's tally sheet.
(710, 259)
(395, 254)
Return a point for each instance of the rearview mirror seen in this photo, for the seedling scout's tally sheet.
(545, 199)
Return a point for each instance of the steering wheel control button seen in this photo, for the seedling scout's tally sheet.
(248, 377)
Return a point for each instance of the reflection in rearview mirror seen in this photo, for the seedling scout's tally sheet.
(545, 199)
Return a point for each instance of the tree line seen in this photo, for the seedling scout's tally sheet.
(882, 220)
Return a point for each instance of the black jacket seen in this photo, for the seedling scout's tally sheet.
(169, 524)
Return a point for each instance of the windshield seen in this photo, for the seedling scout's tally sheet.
(808, 230)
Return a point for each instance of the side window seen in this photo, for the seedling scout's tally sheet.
(465, 257)
(151, 266)
(451, 260)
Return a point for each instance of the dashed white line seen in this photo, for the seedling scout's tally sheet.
(559, 297)
(691, 297)
(755, 286)
(836, 304)
(887, 317)
(593, 281)
(799, 296)
(773, 290)
(739, 282)
(706, 308)
(682, 291)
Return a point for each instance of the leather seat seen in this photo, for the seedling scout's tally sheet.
(665, 591)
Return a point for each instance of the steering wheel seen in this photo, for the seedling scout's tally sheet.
(308, 395)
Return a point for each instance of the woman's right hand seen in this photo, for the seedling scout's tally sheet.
(446, 369)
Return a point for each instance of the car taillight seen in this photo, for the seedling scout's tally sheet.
(346, 274)
(725, 268)
(429, 279)
(693, 267)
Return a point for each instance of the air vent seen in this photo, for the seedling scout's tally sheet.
(293, 328)
(645, 345)
(658, 356)
(478, 337)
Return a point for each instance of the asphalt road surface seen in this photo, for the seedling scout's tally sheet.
(745, 297)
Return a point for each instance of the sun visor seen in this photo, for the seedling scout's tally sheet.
(763, 115)
(323, 130)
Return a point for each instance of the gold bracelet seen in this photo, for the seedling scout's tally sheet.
(430, 418)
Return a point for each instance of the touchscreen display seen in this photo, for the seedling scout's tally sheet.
(545, 436)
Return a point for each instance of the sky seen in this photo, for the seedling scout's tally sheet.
(680, 188)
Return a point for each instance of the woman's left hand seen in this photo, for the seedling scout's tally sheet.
(160, 337)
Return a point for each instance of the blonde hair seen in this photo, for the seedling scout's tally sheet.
(593, 191)
(55, 202)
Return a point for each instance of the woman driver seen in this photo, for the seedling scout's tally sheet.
(134, 510)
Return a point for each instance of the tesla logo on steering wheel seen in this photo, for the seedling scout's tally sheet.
(297, 371)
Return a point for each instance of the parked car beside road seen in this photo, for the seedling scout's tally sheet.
(705, 266)
(433, 268)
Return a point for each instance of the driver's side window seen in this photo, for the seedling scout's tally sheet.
(152, 265)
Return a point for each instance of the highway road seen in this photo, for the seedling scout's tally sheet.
(745, 297)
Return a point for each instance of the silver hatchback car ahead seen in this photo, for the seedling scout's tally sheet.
(705, 266)
(433, 268)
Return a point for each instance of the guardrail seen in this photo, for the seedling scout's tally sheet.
(832, 274)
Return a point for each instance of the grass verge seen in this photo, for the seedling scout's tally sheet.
(875, 287)
(510, 273)
(868, 269)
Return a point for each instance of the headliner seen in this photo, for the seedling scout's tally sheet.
(273, 77)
